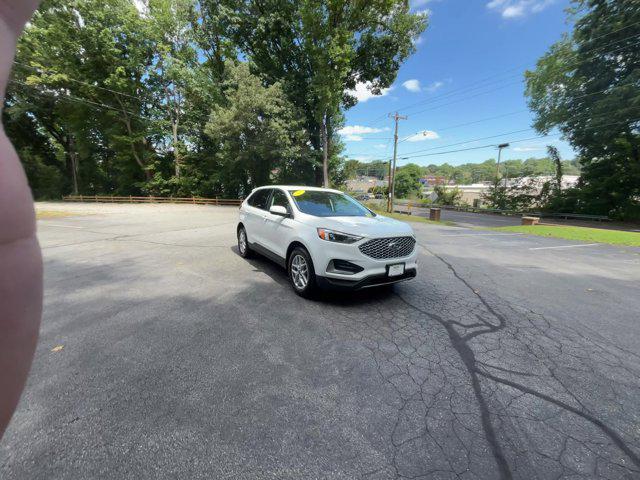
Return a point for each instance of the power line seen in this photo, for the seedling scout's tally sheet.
(463, 90)
(511, 141)
(607, 90)
(514, 132)
(60, 96)
(369, 138)
(474, 140)
(75, 80)
(411, 154)
(615, 31)
(505, 85)
(451, 127)
(468, 88)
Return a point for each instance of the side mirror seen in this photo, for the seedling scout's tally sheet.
(279, 210)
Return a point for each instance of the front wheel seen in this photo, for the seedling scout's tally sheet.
(243, 243)
(301, 273)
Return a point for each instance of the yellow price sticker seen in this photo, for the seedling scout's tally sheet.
(297, 193)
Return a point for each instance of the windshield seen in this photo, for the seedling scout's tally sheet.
(328, 204)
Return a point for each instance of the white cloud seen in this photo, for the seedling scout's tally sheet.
(360, 130)
(418, 41)
(353, 138)
(518, 8)
(528, 149)
(380, 146)
(422, 136)
(363, 92)
(434, 86)
(541, 5)
(412, 85)
(420, 3)
(513, 11)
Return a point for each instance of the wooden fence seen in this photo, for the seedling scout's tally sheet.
(152, 199)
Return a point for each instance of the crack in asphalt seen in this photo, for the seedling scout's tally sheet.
(503, 379)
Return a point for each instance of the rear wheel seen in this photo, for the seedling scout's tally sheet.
(301, 273)
(243, 244)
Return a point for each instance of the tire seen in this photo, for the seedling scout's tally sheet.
(243, 244)
(301, 273)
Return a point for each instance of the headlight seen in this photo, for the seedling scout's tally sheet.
(338, 237)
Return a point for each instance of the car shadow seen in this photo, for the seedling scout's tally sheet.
(332, 297)
(266, 266)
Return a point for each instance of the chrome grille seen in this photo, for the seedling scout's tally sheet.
(383, 248)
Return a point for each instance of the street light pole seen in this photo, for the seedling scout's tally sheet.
(500, 147)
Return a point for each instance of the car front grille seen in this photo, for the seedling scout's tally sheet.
(385, 248)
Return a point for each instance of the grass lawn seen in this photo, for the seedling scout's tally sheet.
(44, 214)
(411, 218)
(581, 234)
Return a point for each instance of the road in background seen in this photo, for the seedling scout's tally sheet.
(509, 356)
(465, 219)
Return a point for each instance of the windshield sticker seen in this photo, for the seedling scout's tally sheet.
(297, 193)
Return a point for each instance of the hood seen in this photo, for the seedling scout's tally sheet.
(378, 226)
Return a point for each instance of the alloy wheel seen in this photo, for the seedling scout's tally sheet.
(299, 272)
(242, 241)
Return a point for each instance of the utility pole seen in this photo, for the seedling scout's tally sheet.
(392, 165)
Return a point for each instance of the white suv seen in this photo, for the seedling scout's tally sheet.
(325, 238)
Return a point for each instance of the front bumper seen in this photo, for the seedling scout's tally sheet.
(370, 281)
(373, 272)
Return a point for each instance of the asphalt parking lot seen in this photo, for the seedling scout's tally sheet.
(509, 356)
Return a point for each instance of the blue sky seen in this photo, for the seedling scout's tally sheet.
(468, 67)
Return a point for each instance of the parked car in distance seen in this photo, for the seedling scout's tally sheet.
(325, 238)
(363, 197)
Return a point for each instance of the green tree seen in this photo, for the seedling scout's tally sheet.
(447, 196)
(321, 50)
(260, 136)
(587, 86)
(79, 75)
(407, 181)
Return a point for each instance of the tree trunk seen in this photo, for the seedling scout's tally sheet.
(173, 101)
(325, 151)
(73, 161)
(176, 154)
(140, 162)
(137, 157)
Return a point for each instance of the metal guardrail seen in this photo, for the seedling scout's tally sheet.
(576, 216)
(152, 199)
(495, 211)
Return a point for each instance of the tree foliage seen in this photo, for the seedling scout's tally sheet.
(587, 87)
(407, 181)
(258, 133)
(320, 50)
(447, 196)
(195, 97)
(468, 173)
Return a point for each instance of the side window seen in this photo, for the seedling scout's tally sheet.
(280, 199)
(259, 199)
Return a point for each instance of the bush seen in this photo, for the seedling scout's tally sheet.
(447, 196)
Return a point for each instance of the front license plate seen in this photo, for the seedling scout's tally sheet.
(396, 270)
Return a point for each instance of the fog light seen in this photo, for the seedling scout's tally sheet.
(344, 266)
